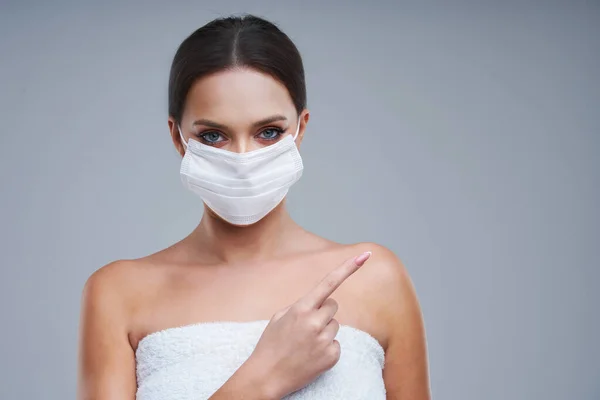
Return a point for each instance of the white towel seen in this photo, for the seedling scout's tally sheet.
(193, 361)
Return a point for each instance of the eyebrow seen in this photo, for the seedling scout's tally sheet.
(216, 125)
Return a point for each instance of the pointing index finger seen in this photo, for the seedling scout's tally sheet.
(333, 280)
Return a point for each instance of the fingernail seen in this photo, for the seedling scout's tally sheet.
(360, 260)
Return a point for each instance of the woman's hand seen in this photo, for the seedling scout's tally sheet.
(298, 343)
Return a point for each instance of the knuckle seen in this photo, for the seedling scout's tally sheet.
(313, 325)
(323, 340)
(330, 302)
(334, 304)
(334, 352)
(330, 282)
(300, 309)
(335, 324)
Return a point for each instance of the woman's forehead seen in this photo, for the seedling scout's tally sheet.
(238, 96)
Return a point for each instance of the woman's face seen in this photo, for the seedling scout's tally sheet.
(239, 110)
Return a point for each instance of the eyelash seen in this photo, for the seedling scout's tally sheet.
(278, 130)
(208, 142)
(203, 135)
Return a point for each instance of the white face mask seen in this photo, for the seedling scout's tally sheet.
(241, 188)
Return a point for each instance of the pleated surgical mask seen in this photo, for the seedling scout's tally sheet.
(241, 188)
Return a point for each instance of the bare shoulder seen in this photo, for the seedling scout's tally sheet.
(106, 366)
(384, 271)
(117, 288)
(109, 275)
(112, 281)
(384, 286)
(383, 265)
(399, 314)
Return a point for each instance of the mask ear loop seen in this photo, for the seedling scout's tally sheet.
(297, 130)
(181, 136)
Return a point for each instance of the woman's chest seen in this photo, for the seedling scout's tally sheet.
(247, 293)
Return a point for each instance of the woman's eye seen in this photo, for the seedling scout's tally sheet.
(212, 137)
(270, 134)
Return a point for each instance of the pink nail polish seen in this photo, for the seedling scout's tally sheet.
(360, 260)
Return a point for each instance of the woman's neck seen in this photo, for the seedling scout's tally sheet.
(272, 236)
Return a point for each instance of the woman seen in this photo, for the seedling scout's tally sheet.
(243, 306)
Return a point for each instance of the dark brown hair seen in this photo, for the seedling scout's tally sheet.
(245, 41)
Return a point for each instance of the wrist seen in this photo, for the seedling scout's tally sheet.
(259, 382)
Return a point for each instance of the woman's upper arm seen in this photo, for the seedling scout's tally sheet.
(106, 361)
(406, 371)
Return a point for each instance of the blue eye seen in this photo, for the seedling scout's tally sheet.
(212, 137)
(270, 134)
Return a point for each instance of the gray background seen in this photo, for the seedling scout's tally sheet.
(462, 135)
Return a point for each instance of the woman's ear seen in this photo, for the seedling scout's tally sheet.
(304, 117)
(175, 136)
